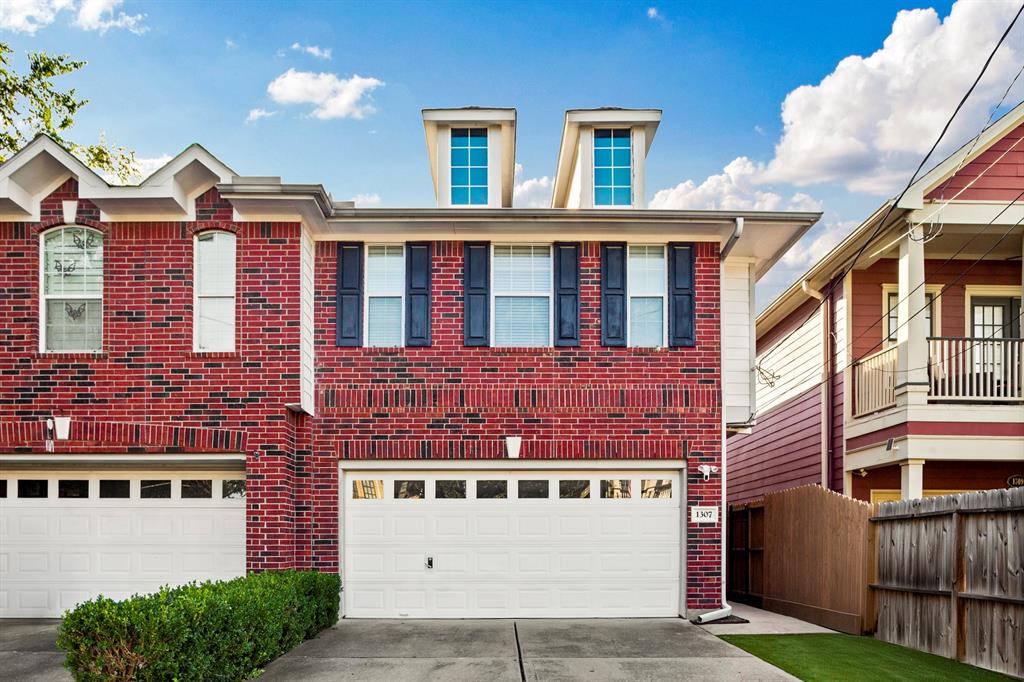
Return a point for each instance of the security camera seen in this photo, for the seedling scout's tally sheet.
(707, 470)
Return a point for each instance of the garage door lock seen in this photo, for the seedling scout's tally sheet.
(430, 562)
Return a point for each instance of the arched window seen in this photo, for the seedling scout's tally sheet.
(214, 305)
(72, 290)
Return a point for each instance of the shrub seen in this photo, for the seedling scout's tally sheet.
(209, 631)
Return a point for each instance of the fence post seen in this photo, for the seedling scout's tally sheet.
(870, 576)
(957, 607)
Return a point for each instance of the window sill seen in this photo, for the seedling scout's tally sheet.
(70, 355)
(216, 354)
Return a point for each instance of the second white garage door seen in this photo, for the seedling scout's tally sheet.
(511, 544)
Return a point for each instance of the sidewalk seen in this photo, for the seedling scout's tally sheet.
(763, 623)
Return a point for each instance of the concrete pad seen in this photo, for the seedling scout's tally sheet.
(652, 669)
(14, 630)
(291, 667)
(28, 651)
(619, 638)
(413, 639)
(764, 623)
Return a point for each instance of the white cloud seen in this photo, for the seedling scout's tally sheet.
(332, 96)
(869, 122)
(99, 15)
(28, 16)
(258, 113)
(816, 243)
(653, 13)
(230, 44)
(366, 200)
(532, 192)
(146, 167)
(734, 189)
(316, 51)
(759, 130)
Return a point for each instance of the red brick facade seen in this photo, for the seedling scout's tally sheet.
(149, 392)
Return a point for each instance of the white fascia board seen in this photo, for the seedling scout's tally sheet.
(498, 115)
(511, 464)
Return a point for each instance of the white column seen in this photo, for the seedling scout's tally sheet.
(912, 335)
(911, 479)
(848, 483)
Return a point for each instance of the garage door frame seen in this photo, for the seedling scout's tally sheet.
(347, 468)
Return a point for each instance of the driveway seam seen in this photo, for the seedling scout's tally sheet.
(519, 652)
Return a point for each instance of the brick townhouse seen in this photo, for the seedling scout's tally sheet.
(466, 410)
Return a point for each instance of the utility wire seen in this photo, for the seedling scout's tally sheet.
(860, 252)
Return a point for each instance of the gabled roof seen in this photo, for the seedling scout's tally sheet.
(838, 259)
(42, 165)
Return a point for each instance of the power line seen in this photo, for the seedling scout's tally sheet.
(896, 202)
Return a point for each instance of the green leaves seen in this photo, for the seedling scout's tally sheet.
(31, 104)
(208, 631)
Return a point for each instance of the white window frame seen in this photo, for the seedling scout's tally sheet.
(664, 300)
(986, 291)
(593, 170)
(529, 294)
(933, 289)
(44, 297)
(196, 296)
(367, 295)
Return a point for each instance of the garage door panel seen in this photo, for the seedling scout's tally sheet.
(61, 551)
(536, 557)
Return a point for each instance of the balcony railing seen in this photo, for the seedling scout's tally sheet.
(874, 382)
(960, 369)
(976, 369)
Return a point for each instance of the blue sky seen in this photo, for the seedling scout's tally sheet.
(161, 76)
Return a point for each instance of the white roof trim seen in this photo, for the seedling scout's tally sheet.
(42, 165)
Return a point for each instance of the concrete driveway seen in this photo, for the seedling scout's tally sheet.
(507, 650)
(28, 652)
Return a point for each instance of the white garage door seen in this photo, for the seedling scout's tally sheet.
(67, 537)
(511, 544)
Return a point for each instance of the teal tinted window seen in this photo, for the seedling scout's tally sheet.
(613, 172)
(469, 166)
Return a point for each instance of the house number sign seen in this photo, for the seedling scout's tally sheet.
(1015, 481)
(703, 514)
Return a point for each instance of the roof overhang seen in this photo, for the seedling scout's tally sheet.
(504, 117)
(649, 119)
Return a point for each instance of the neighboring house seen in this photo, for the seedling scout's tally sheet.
(902, 377)
(467, 410)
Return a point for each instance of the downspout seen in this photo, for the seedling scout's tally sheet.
(726, 609)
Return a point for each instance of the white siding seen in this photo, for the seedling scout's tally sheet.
(737, 340)
(307, 385)
(841, 341)
(796, 363)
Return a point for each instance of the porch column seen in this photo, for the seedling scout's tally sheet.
(911, 380)
(911, 479)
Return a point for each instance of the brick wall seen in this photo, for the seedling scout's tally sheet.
(148, 391)
(453, 402)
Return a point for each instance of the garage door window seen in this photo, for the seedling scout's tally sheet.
(491, 490)
(29, 488)
(368, 490)
(410, 490)
(450, 490)
(152, 490)
(72, 489)
(615, 489)
(574, 490)
(3, 488)
(196, 489)
(120, 490)
(660, 489)
(532, 490)
(234, 490)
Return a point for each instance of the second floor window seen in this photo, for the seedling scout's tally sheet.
(72, 290)
(469, 166)
(521, 275)
(892, 300)
(214, 305)
(646, 283)
(385, 288)
(613, 173)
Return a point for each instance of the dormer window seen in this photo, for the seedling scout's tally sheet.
(613, 152)
(469, 166)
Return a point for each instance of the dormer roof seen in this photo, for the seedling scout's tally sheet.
(474, 116)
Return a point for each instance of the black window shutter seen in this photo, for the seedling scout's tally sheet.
(417, 293)
(476, 300)
(681, 327)
(613, 294)
(349, 295)
(567, 294)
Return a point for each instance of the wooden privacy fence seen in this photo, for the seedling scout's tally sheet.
(949, 577)
(801, 552)
(940, 574)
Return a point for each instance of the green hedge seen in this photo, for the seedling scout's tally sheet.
(209, 631)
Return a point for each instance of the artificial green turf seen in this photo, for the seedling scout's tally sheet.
(834, 657)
